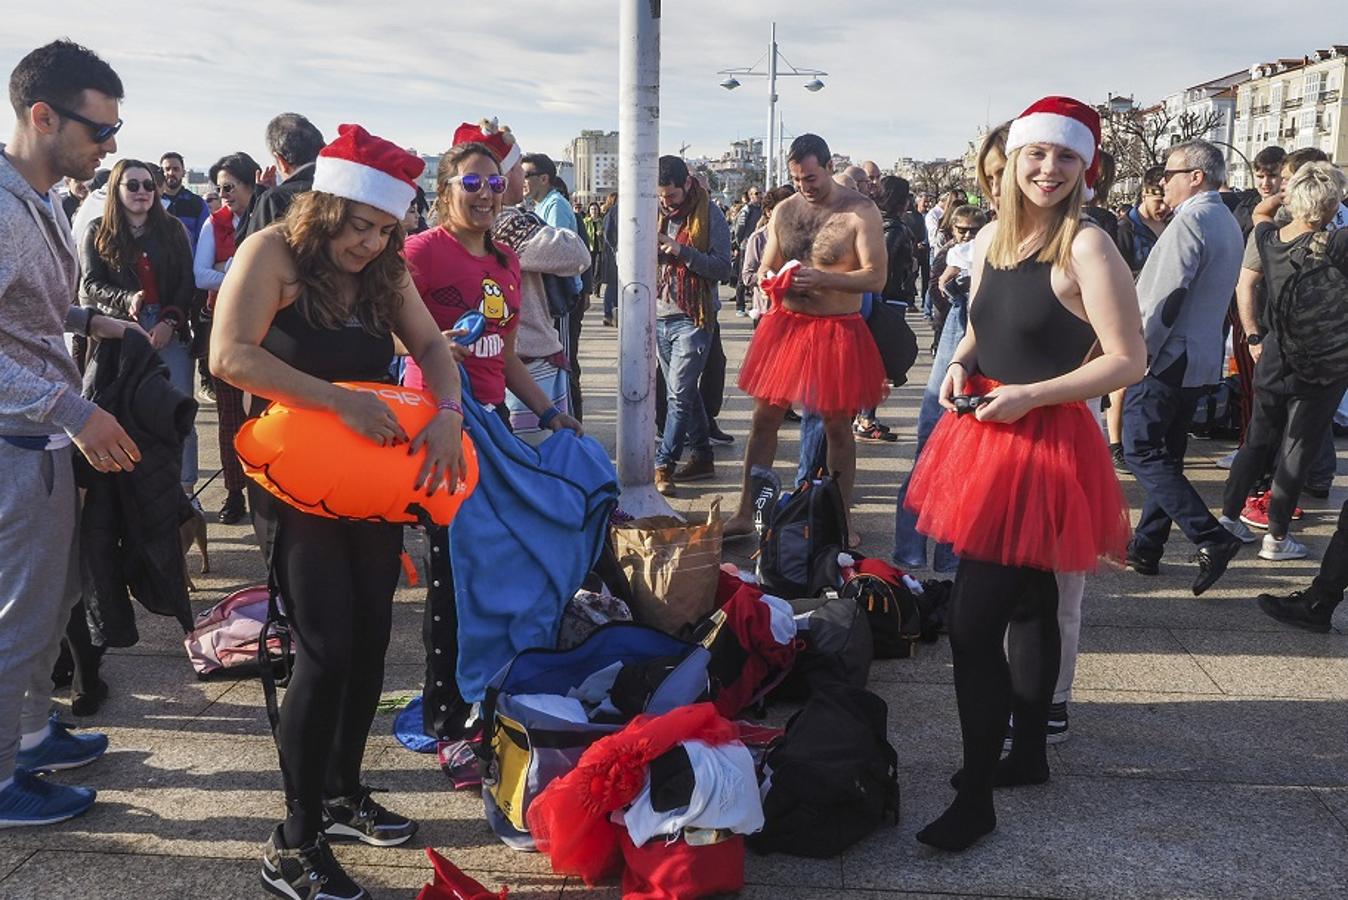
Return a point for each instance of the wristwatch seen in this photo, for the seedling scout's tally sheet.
(1254, 340)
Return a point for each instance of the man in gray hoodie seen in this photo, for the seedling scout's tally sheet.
(65, 103)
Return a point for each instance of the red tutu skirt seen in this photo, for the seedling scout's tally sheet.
(1039, 492)
(822, 364)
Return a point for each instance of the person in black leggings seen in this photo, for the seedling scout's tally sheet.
(314, 300)
(1020, 480)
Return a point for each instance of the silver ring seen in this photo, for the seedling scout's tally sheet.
(104, 456)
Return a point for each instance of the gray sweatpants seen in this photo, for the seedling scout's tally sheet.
(39, 583)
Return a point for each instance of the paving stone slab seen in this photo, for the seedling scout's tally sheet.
(1336, 800)
(1288, 663)
(1120, 837)
(1166, 736)
(1138, 659)
(154, 691)
(49, 875)
(11, 857)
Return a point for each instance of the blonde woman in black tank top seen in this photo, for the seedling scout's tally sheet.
(1017, 476)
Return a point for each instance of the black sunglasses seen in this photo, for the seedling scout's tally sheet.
(1170, 173)
(472, 182)
(97, 130)
(135, 187)
(227, 188)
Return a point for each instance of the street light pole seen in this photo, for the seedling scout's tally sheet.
(771, 149)
(638, 151)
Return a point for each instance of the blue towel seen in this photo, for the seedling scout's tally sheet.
(523, 542)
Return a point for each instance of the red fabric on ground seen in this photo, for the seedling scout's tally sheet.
(570, 822)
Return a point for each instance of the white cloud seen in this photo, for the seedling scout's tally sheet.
(906, 79)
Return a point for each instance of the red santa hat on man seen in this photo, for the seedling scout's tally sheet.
(1063, 121)
(368, 169)
(497, 137)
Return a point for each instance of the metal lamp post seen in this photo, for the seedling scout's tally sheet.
(773, 56)
(638, 155)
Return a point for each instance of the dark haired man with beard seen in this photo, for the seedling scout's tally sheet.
(812, 349)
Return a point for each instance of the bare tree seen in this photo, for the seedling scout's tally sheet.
(1142, 137)
(938, 176)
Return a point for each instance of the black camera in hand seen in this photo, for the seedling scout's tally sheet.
(965, 404)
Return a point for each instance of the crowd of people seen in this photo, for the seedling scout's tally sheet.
(1071, 343)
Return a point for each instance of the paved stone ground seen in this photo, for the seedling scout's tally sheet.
(1208, 754)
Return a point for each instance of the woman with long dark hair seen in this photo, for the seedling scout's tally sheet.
(1053, 322)
(235, 176)
(137, 265)
(316, 299)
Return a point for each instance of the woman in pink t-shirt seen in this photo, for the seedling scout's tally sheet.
(457, 267)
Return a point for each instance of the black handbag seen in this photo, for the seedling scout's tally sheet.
(894, 338)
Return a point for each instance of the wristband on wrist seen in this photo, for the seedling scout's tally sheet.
(956, 362)
(546, 418)
(450, 405)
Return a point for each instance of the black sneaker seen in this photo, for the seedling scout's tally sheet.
(234, 510)
(1057, 723)
(309, 873)
(1300, 608)
(717, 436)
(1120, 464)
(360, 818)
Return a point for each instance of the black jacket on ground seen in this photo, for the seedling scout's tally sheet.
(270, 205)
(129, 527)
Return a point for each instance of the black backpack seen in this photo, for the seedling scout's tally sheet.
(888, 605)
(1310, 316)
(836, 648)
(832, 777)
(798, 553)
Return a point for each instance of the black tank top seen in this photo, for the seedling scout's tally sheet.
(1024, 332)
(349, 353)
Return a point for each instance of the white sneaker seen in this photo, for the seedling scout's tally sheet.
(1225, 463)
(1238, 529)
(1278, 550)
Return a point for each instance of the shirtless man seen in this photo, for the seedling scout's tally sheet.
(813, 349)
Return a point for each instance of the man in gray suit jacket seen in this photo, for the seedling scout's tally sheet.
(1185, 290)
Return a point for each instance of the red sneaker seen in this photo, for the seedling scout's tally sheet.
(1255, 513)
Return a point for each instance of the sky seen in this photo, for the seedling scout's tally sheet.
(906, 79)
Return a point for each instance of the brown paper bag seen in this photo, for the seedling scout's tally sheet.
(672, 566)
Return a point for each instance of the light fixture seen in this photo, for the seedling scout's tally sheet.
(814, 85)
(730, 83)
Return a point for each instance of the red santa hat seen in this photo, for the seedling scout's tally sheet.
(1063, 121)
(368, 169)
(497, 138)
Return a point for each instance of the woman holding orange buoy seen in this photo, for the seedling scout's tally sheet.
(312, 300)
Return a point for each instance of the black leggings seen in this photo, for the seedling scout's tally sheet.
(986, 599)
(336, 580)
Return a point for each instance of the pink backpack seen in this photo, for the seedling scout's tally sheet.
(225, 639)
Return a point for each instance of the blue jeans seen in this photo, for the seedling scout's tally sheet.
(1156, 417)
(910, 547)
(177, 355)
(813, 439)
(683, 349)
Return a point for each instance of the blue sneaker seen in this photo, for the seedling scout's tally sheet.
(31, 800)
(63, 750)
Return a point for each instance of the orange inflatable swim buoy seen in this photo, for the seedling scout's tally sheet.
(311, 460)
